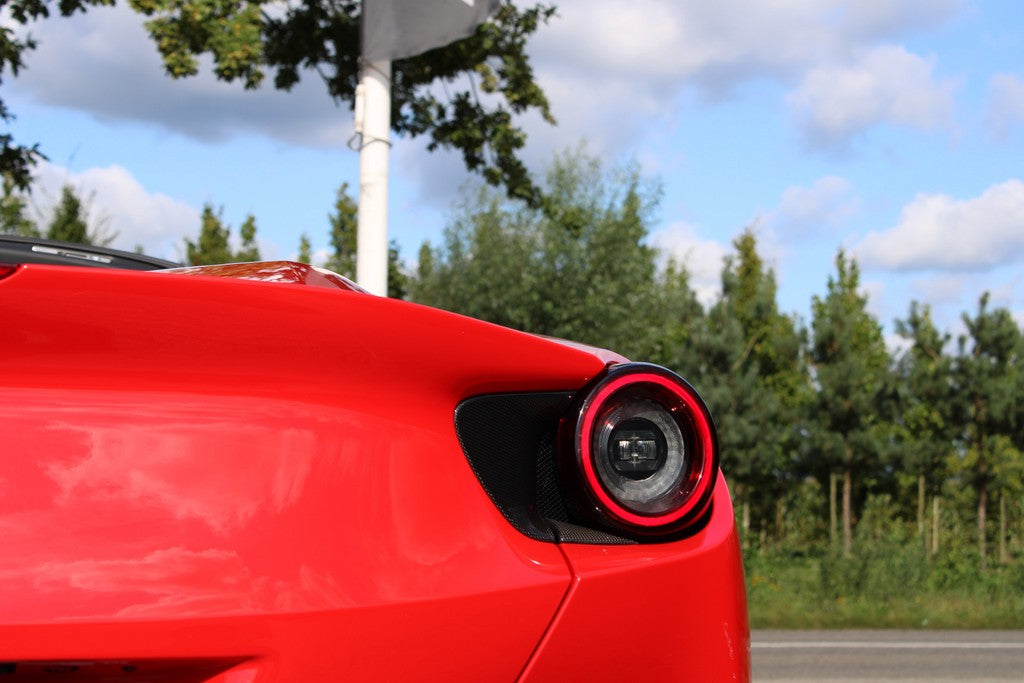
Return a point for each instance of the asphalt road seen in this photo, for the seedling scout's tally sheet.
(946, 656)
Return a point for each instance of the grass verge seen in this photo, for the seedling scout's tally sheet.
(883, 590)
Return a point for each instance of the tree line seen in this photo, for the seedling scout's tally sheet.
(823, 428)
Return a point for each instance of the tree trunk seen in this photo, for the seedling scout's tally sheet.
(982, 507)
(935, 526)
(780, 519)
(847, 521)
(746, 524)
(920, 511)
(832, 517)
(1004, 557)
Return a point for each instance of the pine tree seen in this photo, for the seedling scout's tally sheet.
(850, 364)
(928, 409)
(69, 220)
(305, 249)
(214, 242)
(398, 279)
(249, 250)
(753, 378)
(988, 369)
(343, 222)
(13, 218)
(211, 247)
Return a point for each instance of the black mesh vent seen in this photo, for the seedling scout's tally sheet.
(510, 442)
(573, 533)
(550, 504)
(501, 436)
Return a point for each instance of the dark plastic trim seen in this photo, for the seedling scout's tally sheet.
(18, 250)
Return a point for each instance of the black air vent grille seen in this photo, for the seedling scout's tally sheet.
(510, 441)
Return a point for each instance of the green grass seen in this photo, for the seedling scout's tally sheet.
(883, 590)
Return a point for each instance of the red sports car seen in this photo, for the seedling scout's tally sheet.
(258, 472)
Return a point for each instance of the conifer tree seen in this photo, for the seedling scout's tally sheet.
(13, 218)
(249, 251)
(71, 221)
(68, 222)
(398, 279)
(755, 383)
(344, 227)
(343, 222)
(850, 364)
(929, 414)
(988, 368)
(305, 249)
(213, 245)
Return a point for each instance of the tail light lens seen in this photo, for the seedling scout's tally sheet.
(642, 451)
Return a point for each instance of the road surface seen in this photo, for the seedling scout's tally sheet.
(906, 656)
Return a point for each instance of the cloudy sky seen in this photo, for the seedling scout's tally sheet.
(891, 128)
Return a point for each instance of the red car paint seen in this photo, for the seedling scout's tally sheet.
(215, 479)
(284, 272)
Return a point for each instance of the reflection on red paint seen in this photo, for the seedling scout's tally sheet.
(286, 272)
(266, 481)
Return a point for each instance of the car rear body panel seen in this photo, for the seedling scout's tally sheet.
(225, 480)
(674, 611)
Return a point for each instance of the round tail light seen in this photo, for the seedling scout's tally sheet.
(643, 451)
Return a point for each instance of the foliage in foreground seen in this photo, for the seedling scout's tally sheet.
(888, 581)
(487, 77)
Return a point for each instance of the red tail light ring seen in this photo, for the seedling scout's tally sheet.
(644, 451)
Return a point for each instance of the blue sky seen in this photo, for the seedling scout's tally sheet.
(891, 128)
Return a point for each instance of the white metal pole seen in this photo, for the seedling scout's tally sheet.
(372, 226)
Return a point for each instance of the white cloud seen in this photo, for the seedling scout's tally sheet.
(942, 290)
(950, 294)
(874, 19)
(805, 211)
(938, 231)
(874, 292)
(836, 102)
(118, 203)
(1005, 292)
(438, 176)
(613, 71)
(654, 42)
(702, 258)
(104, 63)
(605, 64)
(1005, 104)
